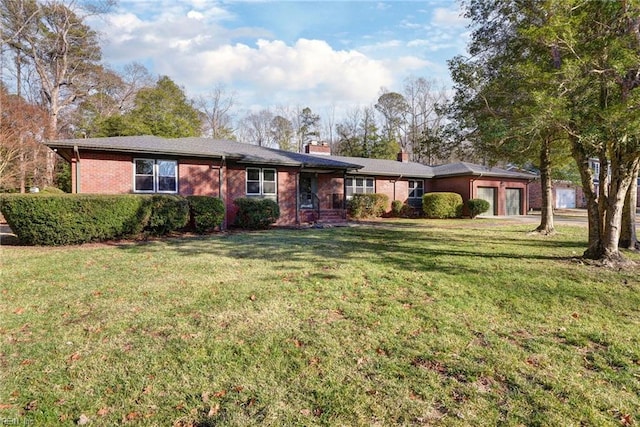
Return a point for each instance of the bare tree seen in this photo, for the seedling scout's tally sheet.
(64, 52)
(255, 128)
(216, 108)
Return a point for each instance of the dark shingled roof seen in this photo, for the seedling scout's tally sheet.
(252, 154)
(203, 147)
(387, 167)
(464, 168)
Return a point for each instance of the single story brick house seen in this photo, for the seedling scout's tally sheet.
(308, 187)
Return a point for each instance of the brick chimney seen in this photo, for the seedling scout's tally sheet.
(317, 148)
(403, 157)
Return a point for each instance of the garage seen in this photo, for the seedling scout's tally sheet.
(565, 198)
(489, 194)
(514, 201)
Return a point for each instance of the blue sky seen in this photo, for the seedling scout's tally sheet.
(287, 53)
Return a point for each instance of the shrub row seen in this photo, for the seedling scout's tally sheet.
(442, 205)
(256, 214)
(62, 219)
(367, 205)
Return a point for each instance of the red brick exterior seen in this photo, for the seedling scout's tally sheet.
(112, 173)
(467, 187)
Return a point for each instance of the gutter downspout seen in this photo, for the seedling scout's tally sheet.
(220, 193)
(298, 196)
(77, 152)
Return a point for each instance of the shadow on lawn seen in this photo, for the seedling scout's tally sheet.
(399, 248)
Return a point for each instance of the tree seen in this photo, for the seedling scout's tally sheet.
(282, 133)
(394, 110)
(162, 110)
(63, 50)
(22, 156)
(216, 109)
(359, 136)
(256, 128)
(308, 129)
(424, 123)
(576, 72)
(506, 102)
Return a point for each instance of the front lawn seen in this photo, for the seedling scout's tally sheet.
(419, 323)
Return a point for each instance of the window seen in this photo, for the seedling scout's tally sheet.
(416, 189)
(261, 182)
(357, 185)
(155, 176)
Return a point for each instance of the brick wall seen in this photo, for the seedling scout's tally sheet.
(105, 173)
(199, 177)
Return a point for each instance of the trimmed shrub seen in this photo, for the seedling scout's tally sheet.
(63, 219)
(442, 205)
(206, 213)
(256, 214)
(477, 207)
(367, 205)
(163, 214)
(397, 208)
(51, 190)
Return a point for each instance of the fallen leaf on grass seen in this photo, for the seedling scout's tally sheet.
(626, 420)
(213, 411)
(74, 357)
(6, 406)
(26, 362)
(132, 416)
(18, 310)
(82, 420)
(103, 411)
(31, 405)
(147, 390)
(221, 393)
(305, 412)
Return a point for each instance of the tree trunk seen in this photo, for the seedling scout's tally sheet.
(594, 249)
(622, 172)
(628, 236)
(546, 214)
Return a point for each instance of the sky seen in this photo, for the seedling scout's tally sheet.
(321, 54)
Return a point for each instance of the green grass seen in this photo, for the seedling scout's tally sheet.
(416, 323)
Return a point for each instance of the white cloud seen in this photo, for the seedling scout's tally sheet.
(274, 67)
(448, 18)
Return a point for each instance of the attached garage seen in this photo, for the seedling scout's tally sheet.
(514, 201)
(489, 194)
(565, 198)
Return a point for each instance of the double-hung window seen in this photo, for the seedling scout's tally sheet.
(358, 185)
(261, 182)
(155, 176)
(416, 191)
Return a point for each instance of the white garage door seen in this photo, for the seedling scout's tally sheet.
(565, 198)
(514, 201)
(488, 194)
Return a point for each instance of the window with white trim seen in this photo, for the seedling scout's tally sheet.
(359, 185)
(416, 189)
(155, 176)
(261, 182)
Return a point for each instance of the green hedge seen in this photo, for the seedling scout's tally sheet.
(206, 212)
(256, 214)
(477, 207)
(164, 214)
(64, 219)
(442, 205)
(48, 219)
(367, 205)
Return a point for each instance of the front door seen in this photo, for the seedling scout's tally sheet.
(307, 190)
